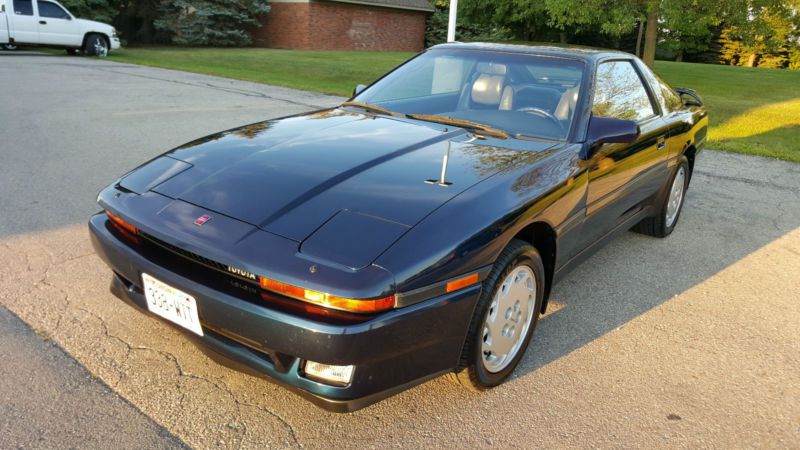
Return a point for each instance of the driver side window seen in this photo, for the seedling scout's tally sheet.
(51, 11)
(620, 93)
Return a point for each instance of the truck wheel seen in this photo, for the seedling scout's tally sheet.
(96, 45)
(9, 47)
(504, 319)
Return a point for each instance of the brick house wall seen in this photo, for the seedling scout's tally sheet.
(285, 26)
(319, 25)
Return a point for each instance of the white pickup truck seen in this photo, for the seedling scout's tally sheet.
(46, 23)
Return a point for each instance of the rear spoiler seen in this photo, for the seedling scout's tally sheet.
(695, 99)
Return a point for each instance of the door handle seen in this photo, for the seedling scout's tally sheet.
(661, 143)
(43, 22)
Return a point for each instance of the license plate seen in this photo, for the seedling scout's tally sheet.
(172, 304)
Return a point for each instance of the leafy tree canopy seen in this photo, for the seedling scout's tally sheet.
(99, 10)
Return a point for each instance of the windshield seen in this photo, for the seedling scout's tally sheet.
(522, 95)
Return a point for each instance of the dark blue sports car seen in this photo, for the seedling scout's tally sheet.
(416, 230)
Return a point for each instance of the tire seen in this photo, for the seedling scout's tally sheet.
(663, 223)
(9, 47)
(479, 369)
(96, 45)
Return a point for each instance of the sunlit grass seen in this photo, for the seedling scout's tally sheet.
(752, 111)
(760, 120)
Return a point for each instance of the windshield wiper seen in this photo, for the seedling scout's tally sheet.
(526, 137)
(474, 126)
(374, 108)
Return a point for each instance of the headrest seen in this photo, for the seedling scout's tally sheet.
(488, 89)
(491, 68)
(567, 103)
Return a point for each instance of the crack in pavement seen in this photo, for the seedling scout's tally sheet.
(181, 372)
(117, 364)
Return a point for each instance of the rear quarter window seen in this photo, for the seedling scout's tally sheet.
(667, 98)
(671, 98)
(23, 7)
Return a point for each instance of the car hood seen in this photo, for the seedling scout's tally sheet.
(341, 176)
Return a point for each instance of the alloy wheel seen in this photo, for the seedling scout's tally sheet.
(100, 48)
(508, 319)
(676, 196)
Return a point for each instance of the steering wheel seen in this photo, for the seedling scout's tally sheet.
(542, 113)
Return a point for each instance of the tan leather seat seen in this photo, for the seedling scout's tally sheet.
(566, 106)
(489, 88)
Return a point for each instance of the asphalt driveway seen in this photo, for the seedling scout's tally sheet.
(688, 341)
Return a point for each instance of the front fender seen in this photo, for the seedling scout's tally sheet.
(469, 232)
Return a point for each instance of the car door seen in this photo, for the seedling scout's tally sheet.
(677, 118)
(56, 25)
(624, 177)
(25, 28)
(3, 23)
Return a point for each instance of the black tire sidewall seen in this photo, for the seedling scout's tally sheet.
(668, 229)
(525, 255)
(89, 48)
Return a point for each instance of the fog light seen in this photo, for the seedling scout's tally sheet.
(336, 375)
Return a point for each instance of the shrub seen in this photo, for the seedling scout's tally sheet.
(220, 23)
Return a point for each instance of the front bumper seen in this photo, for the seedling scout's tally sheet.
(115, 45)
(392, 351)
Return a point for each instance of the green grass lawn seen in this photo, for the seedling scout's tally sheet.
(327, 72)
(752, 111)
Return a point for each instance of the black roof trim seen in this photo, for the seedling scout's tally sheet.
(586, 53)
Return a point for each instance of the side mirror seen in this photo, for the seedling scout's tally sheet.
(689, 97)
(358, 89)
(604, 130)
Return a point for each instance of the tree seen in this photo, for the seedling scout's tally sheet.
(521, 18)
(470, 26)
(99, 10)
(614, 18)
(731, 51)
(689, 26)
(211, 22)
(766, 29)
(688, 20)
(136, 18)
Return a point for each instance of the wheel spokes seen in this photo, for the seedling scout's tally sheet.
(675, 199)
(508, 319)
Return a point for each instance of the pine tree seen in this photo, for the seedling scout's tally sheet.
(219, 23)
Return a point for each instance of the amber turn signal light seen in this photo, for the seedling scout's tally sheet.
(372, 305)
(461, 283)
(116, 220)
